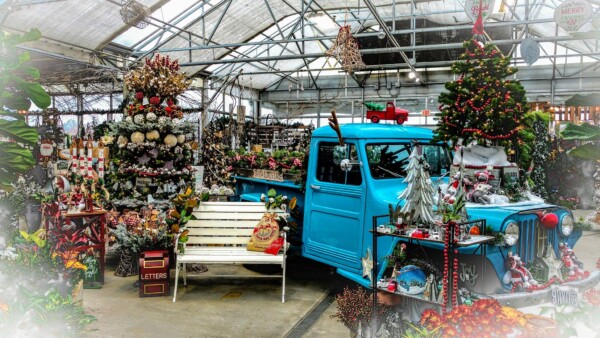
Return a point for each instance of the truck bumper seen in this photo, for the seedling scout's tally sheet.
(524, 299)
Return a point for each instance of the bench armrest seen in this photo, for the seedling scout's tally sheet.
(283, 233)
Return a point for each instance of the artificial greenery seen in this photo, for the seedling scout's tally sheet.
(482, 105)
(19, 88)
(587, 133)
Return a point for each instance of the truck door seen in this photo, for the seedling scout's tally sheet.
(334, 209)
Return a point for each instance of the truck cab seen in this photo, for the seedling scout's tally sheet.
(389, 113)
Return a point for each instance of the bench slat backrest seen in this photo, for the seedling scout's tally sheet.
(225, 223)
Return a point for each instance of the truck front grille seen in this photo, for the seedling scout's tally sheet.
(531, 238)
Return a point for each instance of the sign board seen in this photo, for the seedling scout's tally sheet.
(472, 8)
(425, 112)
(572, 14)
(564, 295)
(198, 177)
(271, 175)
(141, 182)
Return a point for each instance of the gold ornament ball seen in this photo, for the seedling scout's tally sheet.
(180, 139)
(152, 135)
(137, 137)
(171, 140)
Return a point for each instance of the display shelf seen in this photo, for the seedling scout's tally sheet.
(382, 289)
(471, 241)
(474, 240)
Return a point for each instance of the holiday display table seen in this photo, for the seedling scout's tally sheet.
(93, 226)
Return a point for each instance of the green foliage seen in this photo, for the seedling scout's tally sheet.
(37, 291)
(482, 105)
(587, 133)
(456, 211)
(417, 331)
(19, 88)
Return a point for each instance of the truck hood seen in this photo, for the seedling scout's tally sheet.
(387, 192)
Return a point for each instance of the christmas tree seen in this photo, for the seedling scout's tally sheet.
(153, 152)
(481, 105)
(540, 155)
(419, 193)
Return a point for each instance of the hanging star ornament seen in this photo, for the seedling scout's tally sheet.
(367, 264)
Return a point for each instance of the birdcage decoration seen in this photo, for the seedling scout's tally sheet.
(345, 50)
(134, 13)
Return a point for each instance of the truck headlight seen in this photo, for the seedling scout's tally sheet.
(511, 234)
(567, 225)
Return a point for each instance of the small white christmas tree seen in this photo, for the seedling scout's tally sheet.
(419, 193)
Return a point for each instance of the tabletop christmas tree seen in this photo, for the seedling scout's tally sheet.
(419, 193)
(153, 158)
(482, 105)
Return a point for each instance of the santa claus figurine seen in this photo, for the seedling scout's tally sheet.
(570, 261)
(517, 272)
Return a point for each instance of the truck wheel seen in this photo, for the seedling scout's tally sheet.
(374, 119)
(400, 120)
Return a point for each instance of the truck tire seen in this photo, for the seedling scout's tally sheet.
(375, 119)
(400, 120)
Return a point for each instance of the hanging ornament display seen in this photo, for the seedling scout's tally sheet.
(572, 14)
(472, 8)
(345, 50)
(530, 50)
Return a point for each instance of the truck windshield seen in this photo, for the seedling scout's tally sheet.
(389, 160)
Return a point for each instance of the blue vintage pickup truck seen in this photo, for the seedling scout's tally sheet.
(348, 194)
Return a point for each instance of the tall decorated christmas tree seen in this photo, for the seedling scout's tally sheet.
(482, 105)
(153, 158)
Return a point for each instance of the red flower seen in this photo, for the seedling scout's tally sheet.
(139, 95)
(155, 100)
(170, 103)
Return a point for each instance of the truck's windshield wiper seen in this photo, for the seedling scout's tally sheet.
(389, 172)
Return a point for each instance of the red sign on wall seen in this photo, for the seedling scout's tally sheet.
(425, 112)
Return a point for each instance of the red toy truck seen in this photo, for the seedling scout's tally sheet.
(375, 112)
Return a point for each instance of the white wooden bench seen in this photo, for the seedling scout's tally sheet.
(220, 234)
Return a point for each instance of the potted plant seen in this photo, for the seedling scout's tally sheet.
(355, 310)
(18, 89)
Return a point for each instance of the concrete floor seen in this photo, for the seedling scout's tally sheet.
(236, 307)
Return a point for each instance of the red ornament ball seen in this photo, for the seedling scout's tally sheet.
(549, 220)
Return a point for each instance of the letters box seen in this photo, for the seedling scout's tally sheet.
(154, 273)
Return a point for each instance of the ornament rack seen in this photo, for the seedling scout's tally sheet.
(452, 243)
